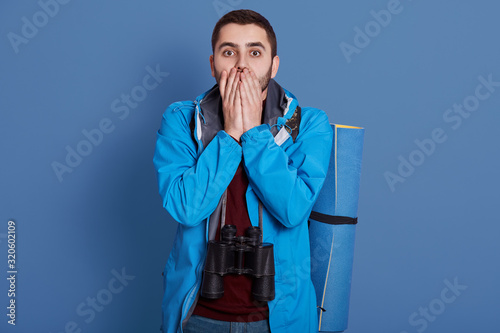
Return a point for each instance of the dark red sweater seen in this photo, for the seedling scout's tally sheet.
(237, 304)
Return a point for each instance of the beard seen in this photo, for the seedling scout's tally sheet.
(263, 80)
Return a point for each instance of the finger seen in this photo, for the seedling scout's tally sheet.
(238, 103)
(234, 88)
(253, 89)
(237, 94)
(243, 89)
(229, 84)
(223, 82)
(248, 90)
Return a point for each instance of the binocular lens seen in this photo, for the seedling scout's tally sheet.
(263, 288)
(228, 232)
(212, 286)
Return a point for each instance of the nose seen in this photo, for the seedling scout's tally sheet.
(241, 62)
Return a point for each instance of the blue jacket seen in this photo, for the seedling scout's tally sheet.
(195, 161)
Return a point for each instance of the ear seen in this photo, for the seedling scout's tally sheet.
(212, 65)
(275, 66)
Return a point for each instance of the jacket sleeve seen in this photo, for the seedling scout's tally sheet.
(288, 181)
(191, 185)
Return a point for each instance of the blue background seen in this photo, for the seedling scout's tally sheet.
(440, 224)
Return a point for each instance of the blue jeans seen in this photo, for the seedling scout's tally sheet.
(197, 324)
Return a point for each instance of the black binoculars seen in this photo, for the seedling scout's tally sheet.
(239, 255)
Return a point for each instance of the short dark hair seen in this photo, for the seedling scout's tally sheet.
(242, 17)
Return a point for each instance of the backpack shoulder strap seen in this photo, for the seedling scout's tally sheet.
(294, 123)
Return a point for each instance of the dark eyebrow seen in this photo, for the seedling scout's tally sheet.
(223, 45)
(236, 46)
(256, 44)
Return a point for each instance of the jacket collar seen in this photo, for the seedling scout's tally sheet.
(210, 119)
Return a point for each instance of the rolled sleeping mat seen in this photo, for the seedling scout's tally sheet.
(332, 229)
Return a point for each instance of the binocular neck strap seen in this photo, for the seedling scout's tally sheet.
(223, 212)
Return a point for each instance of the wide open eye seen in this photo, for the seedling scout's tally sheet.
(255, 53)
(228, 53)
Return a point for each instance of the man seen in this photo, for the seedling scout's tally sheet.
(243, 153)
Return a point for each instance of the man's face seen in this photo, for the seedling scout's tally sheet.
(244, 46)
